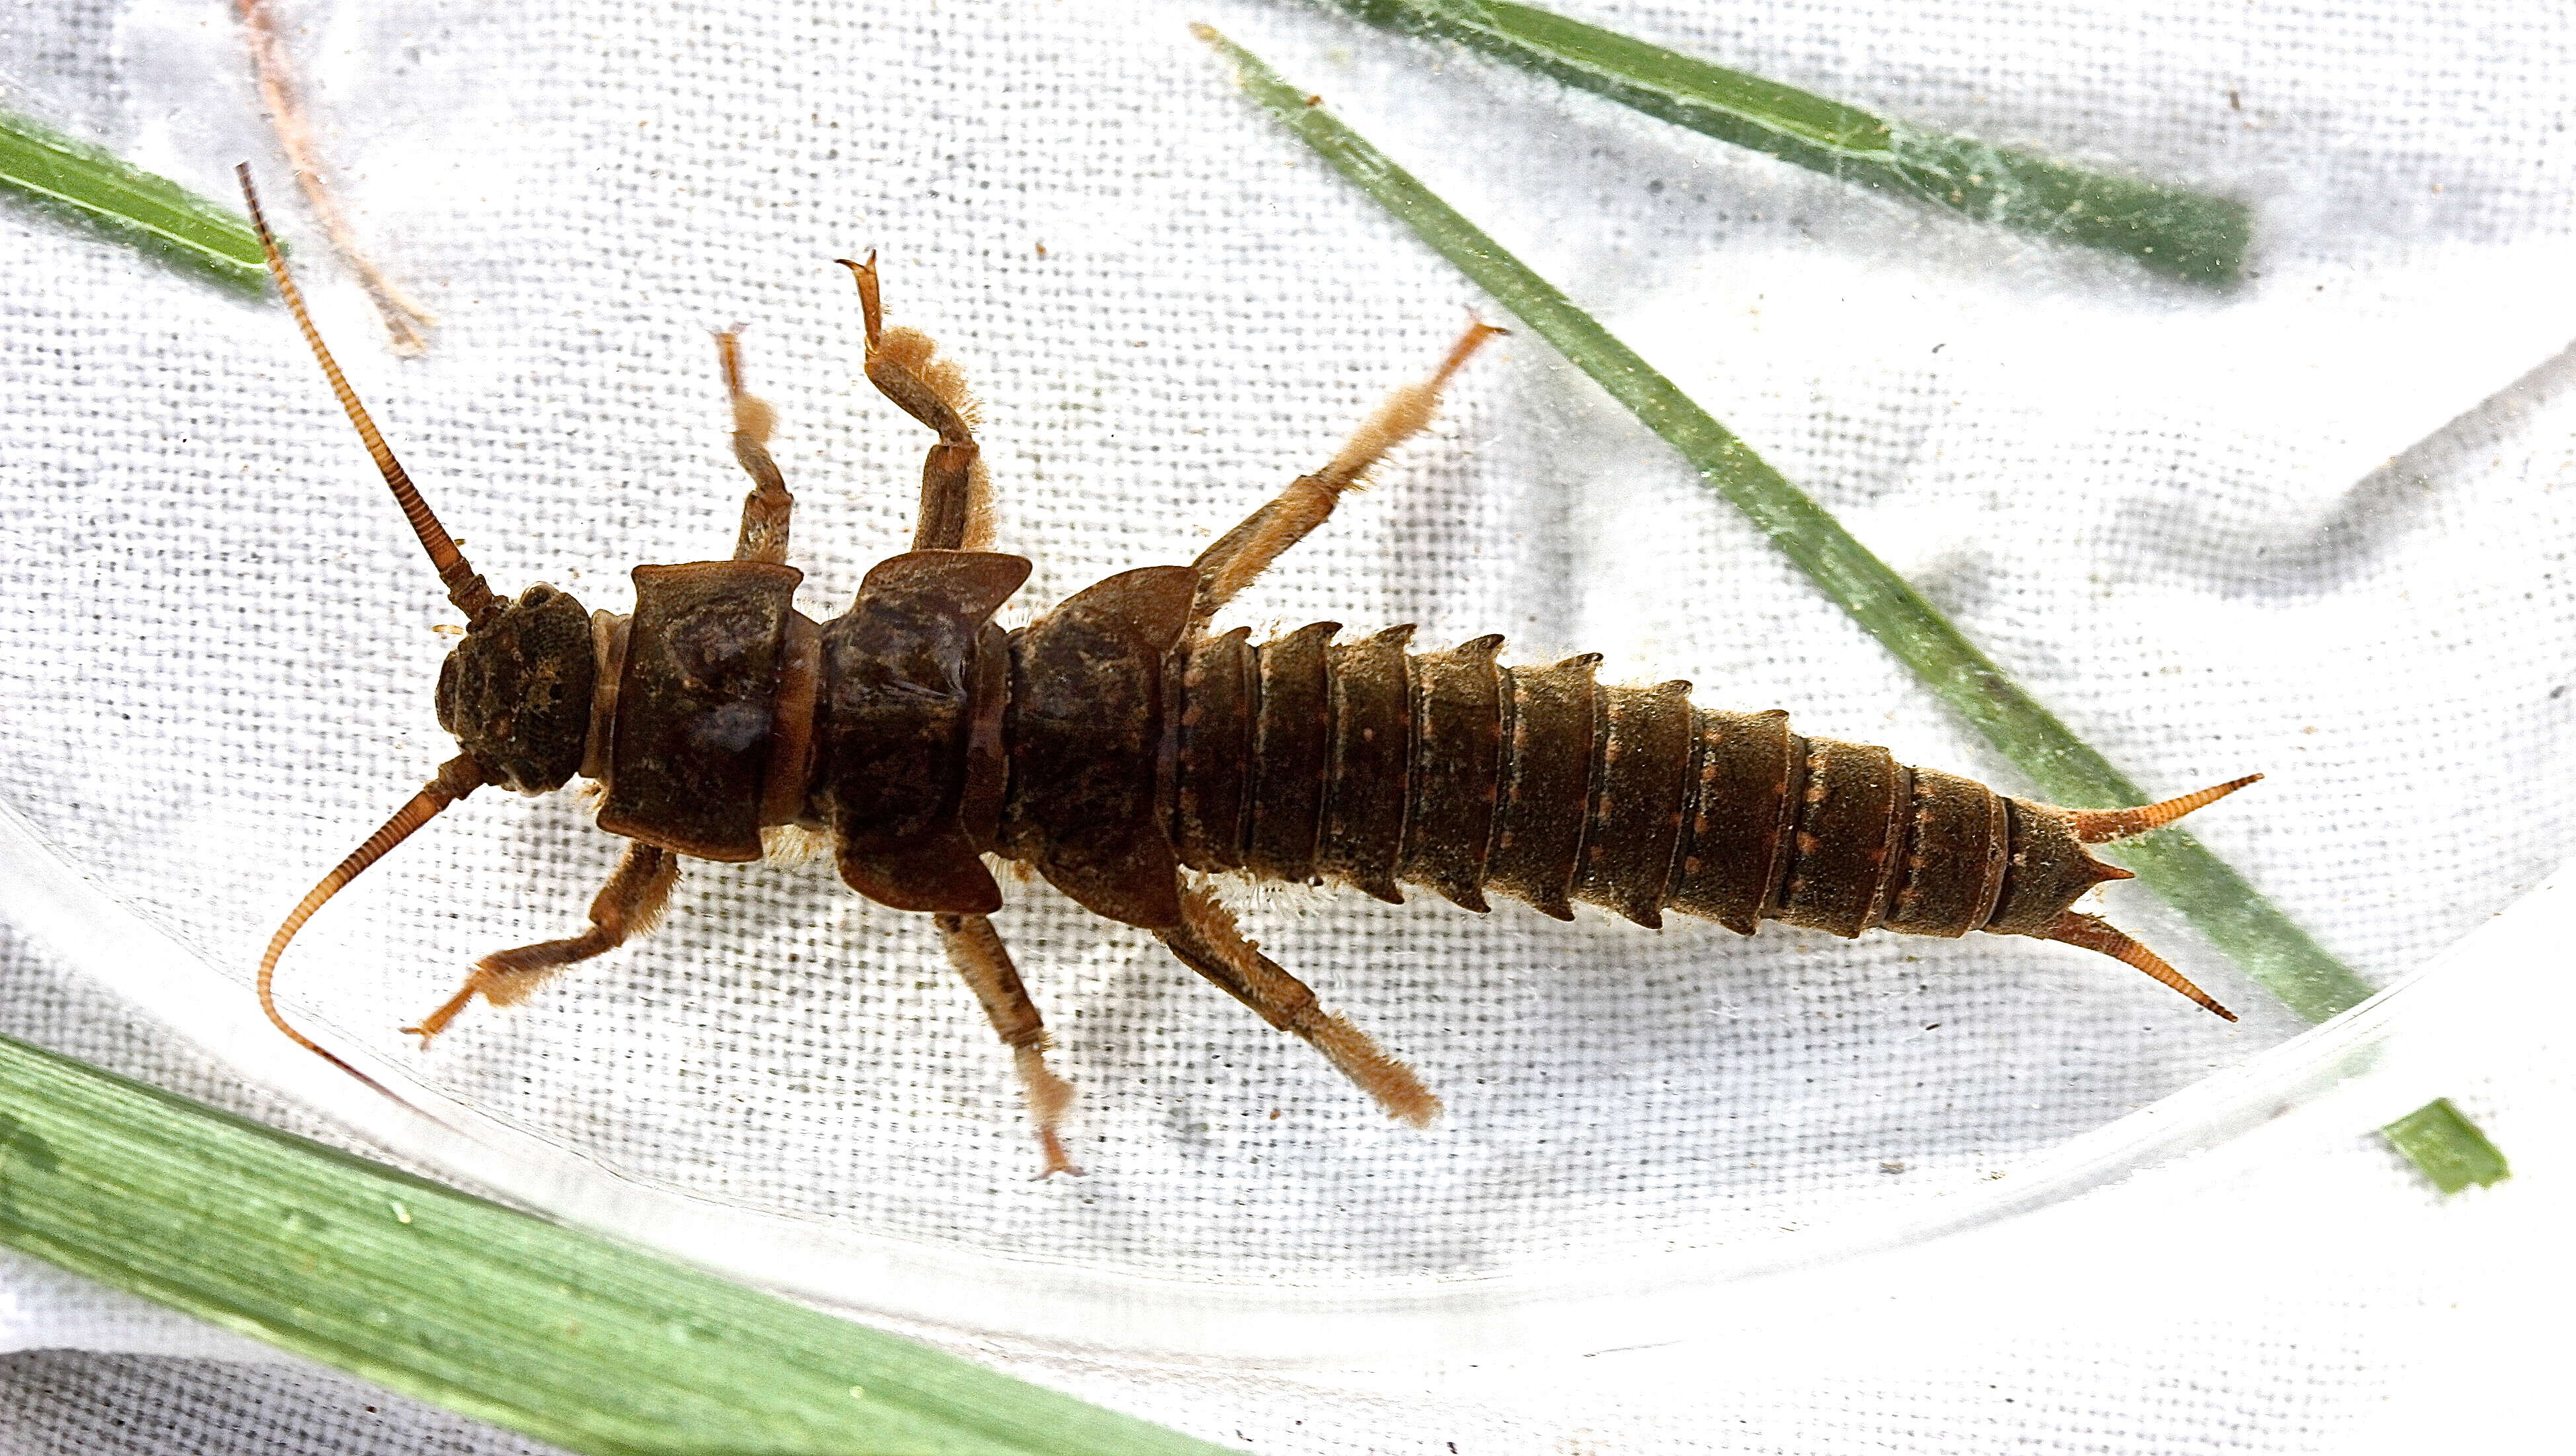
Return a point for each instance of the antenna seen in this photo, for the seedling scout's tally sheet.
(457, 777)
(464, 587)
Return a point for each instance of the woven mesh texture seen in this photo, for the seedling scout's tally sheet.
(2315, 527)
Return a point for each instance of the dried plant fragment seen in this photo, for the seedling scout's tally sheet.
(406, 322)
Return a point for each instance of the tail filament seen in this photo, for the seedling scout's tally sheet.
(2093, 933)
(2099, 826)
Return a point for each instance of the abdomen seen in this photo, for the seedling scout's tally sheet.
(1305, 759)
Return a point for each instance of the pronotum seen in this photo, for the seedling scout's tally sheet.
(1128, 753)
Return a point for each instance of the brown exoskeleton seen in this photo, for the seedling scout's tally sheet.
(1124, 752)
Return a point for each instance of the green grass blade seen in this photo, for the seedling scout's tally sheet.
(2184, 234)
(2217, 901)
(2441, 1140)
(74, 179)
(568, 1337)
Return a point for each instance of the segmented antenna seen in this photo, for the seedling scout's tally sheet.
(464, 587)
(457, 777)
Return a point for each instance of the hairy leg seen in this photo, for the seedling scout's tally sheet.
(904, 365)
(976, 950)
(1209, 942)
(628, 905)
(766, 510)
(1245, 552)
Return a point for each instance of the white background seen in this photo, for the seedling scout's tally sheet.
(2312, 527)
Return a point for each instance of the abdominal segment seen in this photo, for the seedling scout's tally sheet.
(1306, 759)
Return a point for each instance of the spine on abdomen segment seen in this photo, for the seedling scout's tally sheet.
(1302, 759)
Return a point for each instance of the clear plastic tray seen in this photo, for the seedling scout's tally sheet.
(2174, 514)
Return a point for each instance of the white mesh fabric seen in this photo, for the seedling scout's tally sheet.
(2307, 528)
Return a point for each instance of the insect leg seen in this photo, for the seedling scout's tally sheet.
(1240, 555)
(628, 905)
(1209, 942)
(904, 365)
(976, 950)
(766, 510)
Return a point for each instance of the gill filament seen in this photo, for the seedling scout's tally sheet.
(2099, 826)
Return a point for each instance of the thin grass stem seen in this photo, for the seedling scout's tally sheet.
(76, 180)
(2180, 233)
(568, 1337)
